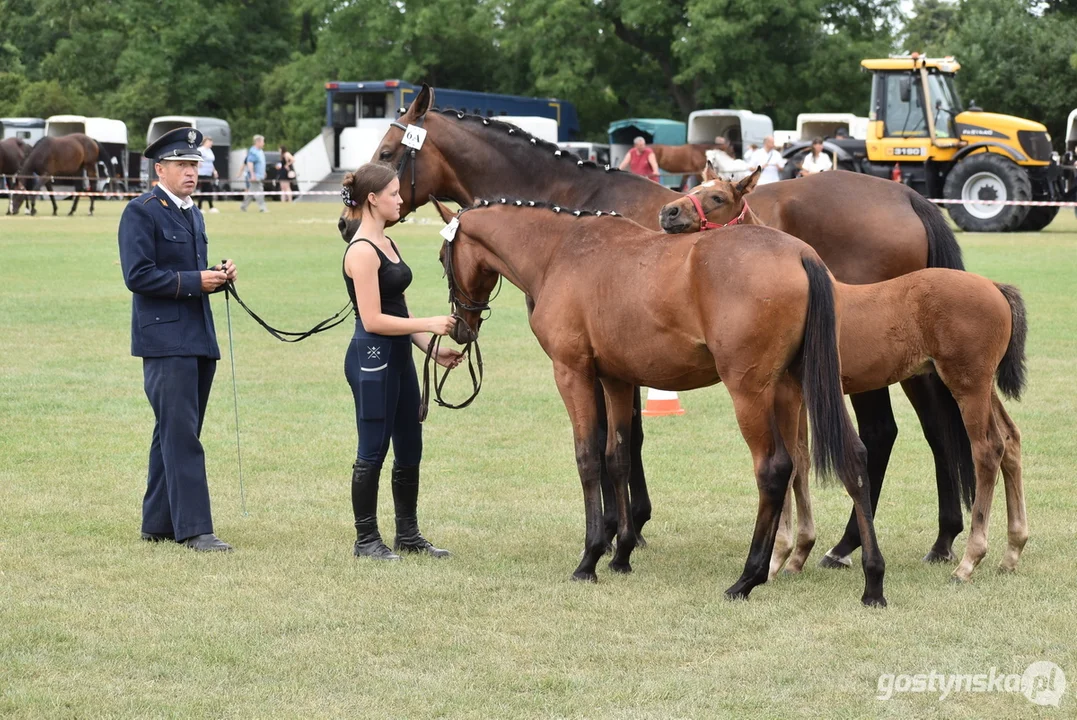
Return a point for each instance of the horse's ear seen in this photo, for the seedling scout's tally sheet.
(748, 184)
(422, 102)
(445, 213)
(709, 173)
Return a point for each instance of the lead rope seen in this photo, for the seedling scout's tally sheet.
(235, 396)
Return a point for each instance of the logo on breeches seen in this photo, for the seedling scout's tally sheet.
(373, 353)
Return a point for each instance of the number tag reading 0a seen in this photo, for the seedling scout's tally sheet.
(414, 137)
(449, 231)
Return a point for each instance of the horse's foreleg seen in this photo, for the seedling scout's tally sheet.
(619, 466)
(758, 417)
(987, 451)
(1016, 521)
(79, 185)
(92, 185)
(802, 492)
(609, 502)
(878, 432)
(576, 387)
(52, 198)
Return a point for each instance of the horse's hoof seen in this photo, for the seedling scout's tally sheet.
(792, 571)
(873, 602)
(1006, 570)
(934, 556)
(732, 594)
(955, 580)
(831, 562)
(588, 577)
(623, 568)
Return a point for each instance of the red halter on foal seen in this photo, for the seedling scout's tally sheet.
(705, 224)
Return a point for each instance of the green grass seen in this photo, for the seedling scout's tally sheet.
(95, 623)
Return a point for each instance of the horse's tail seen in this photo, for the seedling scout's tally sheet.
(942, 248)
(944, 252)
(1010, 375)
(835, 444)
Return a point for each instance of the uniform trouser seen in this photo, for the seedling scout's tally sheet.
(255, 192)
(177, 493)
(381, 372)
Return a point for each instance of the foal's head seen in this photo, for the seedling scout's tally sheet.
(721, 203)
(470, 277)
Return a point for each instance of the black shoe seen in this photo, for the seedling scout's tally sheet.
(405, 499)
(155, 538)
(368, 541)
(207, 543)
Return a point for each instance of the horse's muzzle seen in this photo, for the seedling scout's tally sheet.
(462, 332)
(672, 220)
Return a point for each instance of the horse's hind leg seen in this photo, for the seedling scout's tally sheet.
(609, 502)
(79, 185)
(619, 465)
(637, 480)
(987, 450)
(576, 387)
(1017, 522)
(91, 184)
(52, 198)
(878, 432)
(761, 418)
(783, 538)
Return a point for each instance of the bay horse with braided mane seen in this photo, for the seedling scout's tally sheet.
(68, 156)
(890, 230)
(753, 310)
(12, 152)
(964, 328)
(684, 160)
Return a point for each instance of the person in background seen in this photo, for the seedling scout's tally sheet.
(163, 255)
(724, 147)
(255, 174)
(768, 158)
(207, 173)
(641, 160)
(816, 161)
(285, 174)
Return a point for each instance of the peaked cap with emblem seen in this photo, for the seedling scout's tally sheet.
(179, 144)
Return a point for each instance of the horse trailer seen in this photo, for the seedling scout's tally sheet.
(741, 128)
(110, 134)
(29, 130)
(655, 131)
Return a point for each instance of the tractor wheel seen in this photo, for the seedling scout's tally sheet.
(1038, 218)
(987, 176)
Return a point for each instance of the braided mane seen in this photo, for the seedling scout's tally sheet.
(481, 203)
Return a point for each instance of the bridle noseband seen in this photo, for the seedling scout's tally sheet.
(705, 224)
(455, 306)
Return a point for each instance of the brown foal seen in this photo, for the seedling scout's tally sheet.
(629, 306)
(963, 327)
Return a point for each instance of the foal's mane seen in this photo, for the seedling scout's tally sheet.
(506, 135)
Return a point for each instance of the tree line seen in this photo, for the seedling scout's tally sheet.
(262, 64)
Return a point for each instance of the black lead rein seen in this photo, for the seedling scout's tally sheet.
(286, 335)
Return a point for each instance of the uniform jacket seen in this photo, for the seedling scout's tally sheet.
(162, 260)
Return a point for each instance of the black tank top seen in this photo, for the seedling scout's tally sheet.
(393, 280)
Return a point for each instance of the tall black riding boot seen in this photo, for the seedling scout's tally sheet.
(405, 499)
(365, 506)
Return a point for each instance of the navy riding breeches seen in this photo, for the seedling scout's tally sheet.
(381, 372)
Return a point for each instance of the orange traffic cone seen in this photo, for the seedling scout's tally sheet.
(662, 402)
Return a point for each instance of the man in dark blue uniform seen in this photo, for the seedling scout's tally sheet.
(165, 260)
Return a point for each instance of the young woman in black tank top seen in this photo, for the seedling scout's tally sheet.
(379, 364)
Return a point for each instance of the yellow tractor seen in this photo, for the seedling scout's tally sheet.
(919, 134)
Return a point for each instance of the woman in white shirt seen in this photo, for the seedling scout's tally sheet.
(207, 173)
(816, 161)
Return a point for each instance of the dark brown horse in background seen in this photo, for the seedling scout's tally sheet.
(890, 230)
(617, 303)
(67, 157)
(684, 160)
(964, 328)
(12, 152)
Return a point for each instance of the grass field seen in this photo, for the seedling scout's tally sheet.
(95, 623)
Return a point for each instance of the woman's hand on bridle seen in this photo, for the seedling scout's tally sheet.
(441, 325)
(449, 357)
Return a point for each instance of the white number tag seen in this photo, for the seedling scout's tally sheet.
(414, 137)
(449, 231)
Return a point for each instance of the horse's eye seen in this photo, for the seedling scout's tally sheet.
(386, 155)
(718, 199)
